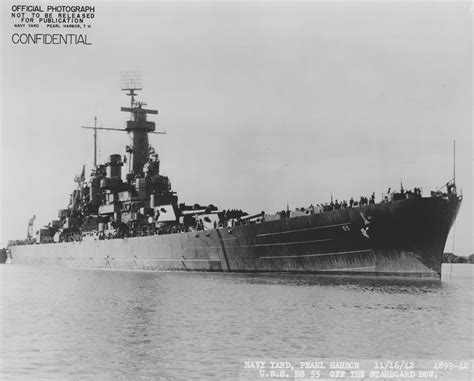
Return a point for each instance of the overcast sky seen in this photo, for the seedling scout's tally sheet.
(263, 103)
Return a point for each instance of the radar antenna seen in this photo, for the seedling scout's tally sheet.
(131, 81)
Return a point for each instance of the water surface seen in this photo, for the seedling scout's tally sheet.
(63, 323)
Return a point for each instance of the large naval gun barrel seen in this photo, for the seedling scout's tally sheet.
(193, 212)
(250, 216)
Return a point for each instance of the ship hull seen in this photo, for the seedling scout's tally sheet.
(400, 238)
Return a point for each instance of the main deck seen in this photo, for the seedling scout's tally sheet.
(401, 238)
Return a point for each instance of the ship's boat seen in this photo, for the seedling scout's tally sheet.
(135, 222)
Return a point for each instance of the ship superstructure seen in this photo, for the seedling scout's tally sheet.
(139, 201)
(132, 219)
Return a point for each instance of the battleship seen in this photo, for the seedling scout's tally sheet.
(133, 221)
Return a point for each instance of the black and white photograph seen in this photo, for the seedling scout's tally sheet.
(236, 190)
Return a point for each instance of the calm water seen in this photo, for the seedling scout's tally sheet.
(61, 323)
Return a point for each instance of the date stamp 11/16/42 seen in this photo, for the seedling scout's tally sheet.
(363, 369)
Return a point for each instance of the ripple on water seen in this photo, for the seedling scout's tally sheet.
(60, 323)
